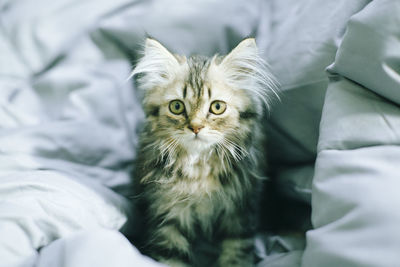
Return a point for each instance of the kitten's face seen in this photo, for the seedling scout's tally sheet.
(199, 110)
(199, 103)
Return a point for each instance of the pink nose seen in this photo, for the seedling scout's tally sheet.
(196, 128)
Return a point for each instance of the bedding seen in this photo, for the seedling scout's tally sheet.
(69, 123)
(355, 189)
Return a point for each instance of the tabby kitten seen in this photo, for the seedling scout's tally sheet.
(197, 164)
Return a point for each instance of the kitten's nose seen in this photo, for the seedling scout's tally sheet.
(196, 128)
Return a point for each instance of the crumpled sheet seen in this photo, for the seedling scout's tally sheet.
(66, 118)
(99, 247)
(356, 185)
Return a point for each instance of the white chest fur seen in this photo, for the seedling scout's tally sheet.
(192, 201)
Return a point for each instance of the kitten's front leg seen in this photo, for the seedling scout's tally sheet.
(174, 262)
(237, 248)
(237, 252)
(170, 246)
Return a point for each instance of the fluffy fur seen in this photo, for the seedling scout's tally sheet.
(201, 184)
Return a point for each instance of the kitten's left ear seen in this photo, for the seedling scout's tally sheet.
(157, 65)
(245, 69)
(245, 50)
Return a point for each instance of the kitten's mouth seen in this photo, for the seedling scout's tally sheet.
(196, 143)
(197, 138)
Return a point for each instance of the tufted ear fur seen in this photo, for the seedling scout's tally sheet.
(243, 68)
(158, 66)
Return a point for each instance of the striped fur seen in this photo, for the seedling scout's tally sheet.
(191, 185)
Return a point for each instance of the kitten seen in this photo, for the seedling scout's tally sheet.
(197, 166)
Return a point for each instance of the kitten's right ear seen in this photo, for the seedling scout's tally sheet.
(157, 65)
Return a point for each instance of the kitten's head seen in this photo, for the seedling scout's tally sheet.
(198, 104)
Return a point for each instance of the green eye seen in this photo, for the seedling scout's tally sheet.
(177, 107)
(218, 107)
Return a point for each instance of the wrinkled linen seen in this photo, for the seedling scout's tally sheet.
(355, 189)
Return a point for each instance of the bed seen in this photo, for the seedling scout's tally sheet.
(69, 122)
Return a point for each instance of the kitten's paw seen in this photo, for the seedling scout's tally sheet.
(237, 253)
(174, 263)
(236, 262)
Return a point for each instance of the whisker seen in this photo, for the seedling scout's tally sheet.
(237, 152)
